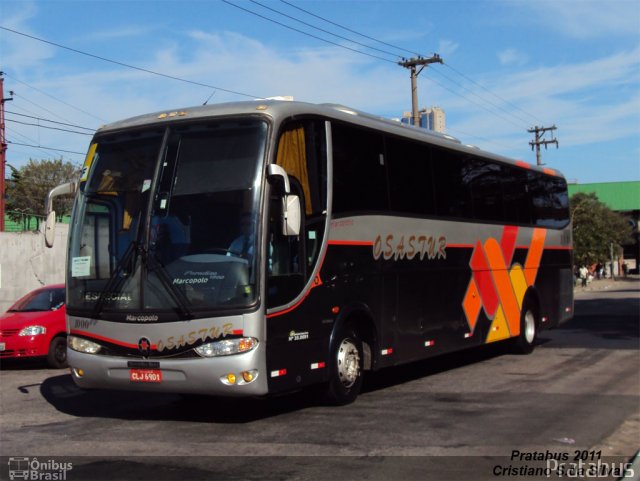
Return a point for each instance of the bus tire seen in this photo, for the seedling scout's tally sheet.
(529, 323)
(345, 377)
(57, 356)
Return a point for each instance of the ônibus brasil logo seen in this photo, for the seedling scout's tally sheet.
(33, 469)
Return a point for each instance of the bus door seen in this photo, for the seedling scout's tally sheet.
(295, 305)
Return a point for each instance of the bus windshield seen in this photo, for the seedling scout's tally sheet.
(166, 222)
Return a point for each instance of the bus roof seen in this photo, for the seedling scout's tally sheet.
(279, 110)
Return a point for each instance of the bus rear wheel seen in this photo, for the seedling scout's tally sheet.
(345, 379)
(529, 322)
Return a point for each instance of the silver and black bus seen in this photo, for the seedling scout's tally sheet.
(251, 248)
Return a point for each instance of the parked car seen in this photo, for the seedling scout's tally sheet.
(35, 326)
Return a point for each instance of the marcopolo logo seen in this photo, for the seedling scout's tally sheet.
(37, 470)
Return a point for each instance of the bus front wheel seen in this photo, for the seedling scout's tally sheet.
(345, 379)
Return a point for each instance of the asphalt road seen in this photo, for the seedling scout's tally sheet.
(459, 416)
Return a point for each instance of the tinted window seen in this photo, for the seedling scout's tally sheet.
(410, 177)
(486, 190)
(515, 196)
(451, 176)
(359, 174)
(550, 203)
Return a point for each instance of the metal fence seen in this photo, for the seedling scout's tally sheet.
(18, 221)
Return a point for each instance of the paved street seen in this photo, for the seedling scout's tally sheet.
(579, 390)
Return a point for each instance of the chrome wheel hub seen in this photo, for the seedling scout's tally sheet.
(529, 327)
(348, 363)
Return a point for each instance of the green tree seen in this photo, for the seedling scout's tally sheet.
(29, 185)
(595, 228)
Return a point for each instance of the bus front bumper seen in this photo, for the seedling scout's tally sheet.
(212, 376)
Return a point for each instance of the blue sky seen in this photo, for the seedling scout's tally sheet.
(509, 65)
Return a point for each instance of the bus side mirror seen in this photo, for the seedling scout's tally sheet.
(291, 218)
(291, 212)
(50, 226)
(50, 229)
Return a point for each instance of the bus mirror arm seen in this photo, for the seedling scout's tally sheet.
(291, 212)
(274, 171)
(50, 225)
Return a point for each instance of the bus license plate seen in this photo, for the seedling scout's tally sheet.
(145, 375)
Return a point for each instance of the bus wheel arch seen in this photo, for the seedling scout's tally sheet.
(349, 355)
(359, 317)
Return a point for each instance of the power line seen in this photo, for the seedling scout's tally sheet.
(350, 30)
(307, 33)
(122, 64)
(323, 30)
(29, 139)
(24, 99)
(48, 127)
(446, 64)
(493, 104)
(50, 121)
(490, 92)
(483, 107)
(57, 100)
(42, 147)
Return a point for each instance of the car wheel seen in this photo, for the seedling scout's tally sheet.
(57, 357)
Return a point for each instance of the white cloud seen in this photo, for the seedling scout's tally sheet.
(512, 56)
(447, 47)
(19, 51)
(591, 102)
(123, 31)
(570, 95)
(588, 18)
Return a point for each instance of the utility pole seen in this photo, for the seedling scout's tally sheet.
(412, 65)
(539, 132)
(3, 150)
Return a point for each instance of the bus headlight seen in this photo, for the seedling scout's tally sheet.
(227, 347)
(33, 331)
(83, 345)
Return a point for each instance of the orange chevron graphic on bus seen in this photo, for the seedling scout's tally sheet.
(499, 287)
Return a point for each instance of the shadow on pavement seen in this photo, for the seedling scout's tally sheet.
(66, 397)
(605, 323)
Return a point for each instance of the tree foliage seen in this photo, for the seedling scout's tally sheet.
(595, 228)
(29, 185)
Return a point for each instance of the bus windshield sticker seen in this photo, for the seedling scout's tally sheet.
(81, 266)
(87, 162)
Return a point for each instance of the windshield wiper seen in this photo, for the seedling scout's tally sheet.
(115, 277)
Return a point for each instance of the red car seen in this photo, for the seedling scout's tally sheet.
(36, 326)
